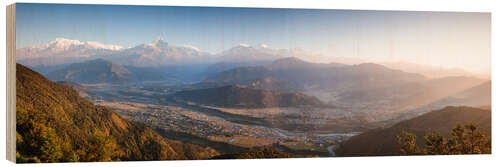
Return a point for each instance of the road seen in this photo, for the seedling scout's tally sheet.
(330, 150)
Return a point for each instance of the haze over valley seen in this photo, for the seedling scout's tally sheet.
(113, 82)
(250, 96)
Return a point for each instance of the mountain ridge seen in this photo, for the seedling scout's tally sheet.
(242, 96)
(326, 76)
(104, 71)
(158, 53)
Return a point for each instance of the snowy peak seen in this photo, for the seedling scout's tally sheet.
(159, 43)
(244, 45)
(259, 46)
(62, 51)
(158, 40)
(66, 44)
(66, 41)
(249, 53)
(263, 46)
(97, 45)
(160, 53)
(243, 48)
(157, 53)
(192, 47)
(261, 52)
(63, 43)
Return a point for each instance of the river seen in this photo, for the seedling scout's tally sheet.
(330, 150)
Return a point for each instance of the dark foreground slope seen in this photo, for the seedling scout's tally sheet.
(55, 124)
(240, 96)
(383, 141)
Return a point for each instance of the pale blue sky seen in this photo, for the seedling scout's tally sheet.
(436, 38)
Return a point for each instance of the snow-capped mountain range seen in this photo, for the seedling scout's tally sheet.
(157, 53)
(260, 52)
(65, 47)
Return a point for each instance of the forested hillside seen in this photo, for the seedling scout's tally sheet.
(55, 124)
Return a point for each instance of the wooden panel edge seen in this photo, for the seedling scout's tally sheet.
(11, 83)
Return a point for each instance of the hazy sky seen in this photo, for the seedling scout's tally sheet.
(437, 38)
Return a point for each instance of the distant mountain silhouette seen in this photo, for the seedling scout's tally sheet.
(241, 96)
(320, 76)
(414, 94)
(427, 70)
(92, 71)
(216, 68)
(103, 71)
(476, 96)
(383, 141)
(296, 63)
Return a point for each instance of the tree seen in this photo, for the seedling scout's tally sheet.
(51, 146)
(436, 144)
(408, 143)
(102, 148)
(463, 140)
(36, 141)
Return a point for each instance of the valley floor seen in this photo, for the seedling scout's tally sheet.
(301, 132)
